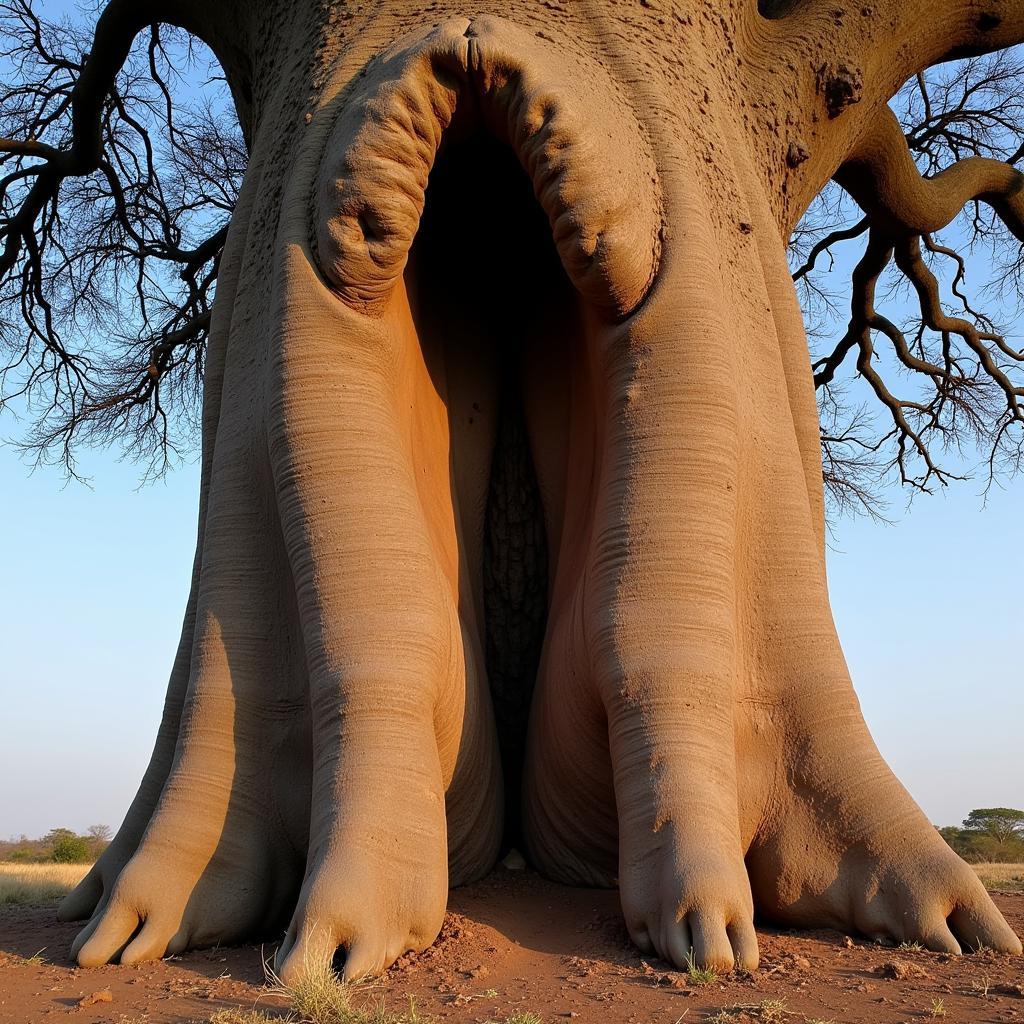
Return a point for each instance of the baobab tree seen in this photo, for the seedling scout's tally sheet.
(511, 524)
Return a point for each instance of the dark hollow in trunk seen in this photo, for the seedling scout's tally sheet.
(487, 287)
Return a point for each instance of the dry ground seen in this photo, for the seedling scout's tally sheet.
(516, 944)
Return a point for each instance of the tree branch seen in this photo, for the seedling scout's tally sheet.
(966, 386)
(130, 254)
(882, 177)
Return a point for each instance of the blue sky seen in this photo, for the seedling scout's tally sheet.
(95, 587)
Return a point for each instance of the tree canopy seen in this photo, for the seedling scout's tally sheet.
(990, 834)
(999, 823)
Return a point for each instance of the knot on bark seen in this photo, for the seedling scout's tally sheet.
(797, 153)
(841, 85)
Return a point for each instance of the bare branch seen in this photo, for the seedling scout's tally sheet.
(884, 180)
(114, 199)
(825, 245)
(961, 379)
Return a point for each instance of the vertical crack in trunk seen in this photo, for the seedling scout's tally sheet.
(515, 592)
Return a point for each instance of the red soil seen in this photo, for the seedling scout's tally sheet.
(516, 942)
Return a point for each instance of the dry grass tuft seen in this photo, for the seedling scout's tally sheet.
(234, 1015)
(38, 883)
(698, 975)
(1007, 877)
(237, 1016)
(771, 1011)
(321, 998)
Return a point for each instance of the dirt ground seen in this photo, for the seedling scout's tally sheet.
(515, 942)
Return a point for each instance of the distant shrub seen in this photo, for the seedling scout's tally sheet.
(71, 849)
(58, 846)
(22, 856)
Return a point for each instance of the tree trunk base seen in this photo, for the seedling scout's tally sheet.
(641, 566)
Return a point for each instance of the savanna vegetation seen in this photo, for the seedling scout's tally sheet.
(58, 846)
(25, 884)
(47, 868)
(988, 834)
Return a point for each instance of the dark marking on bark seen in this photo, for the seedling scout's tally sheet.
(841, 85)
(987, 22)
(797, 153)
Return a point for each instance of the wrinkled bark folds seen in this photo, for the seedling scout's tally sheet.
(558, 237)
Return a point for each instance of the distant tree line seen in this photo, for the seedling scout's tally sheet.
(993, 834)
(988, 834)
(58, 846)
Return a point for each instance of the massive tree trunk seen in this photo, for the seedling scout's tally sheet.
(511, 471)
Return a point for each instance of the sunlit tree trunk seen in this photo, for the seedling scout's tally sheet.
(508, 390)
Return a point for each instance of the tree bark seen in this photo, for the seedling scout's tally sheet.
(587, 208)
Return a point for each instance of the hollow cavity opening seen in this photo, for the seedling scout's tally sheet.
(490, 300)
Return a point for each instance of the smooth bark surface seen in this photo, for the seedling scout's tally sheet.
(509, 391)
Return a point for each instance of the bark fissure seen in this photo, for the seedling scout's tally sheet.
(515, 596)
